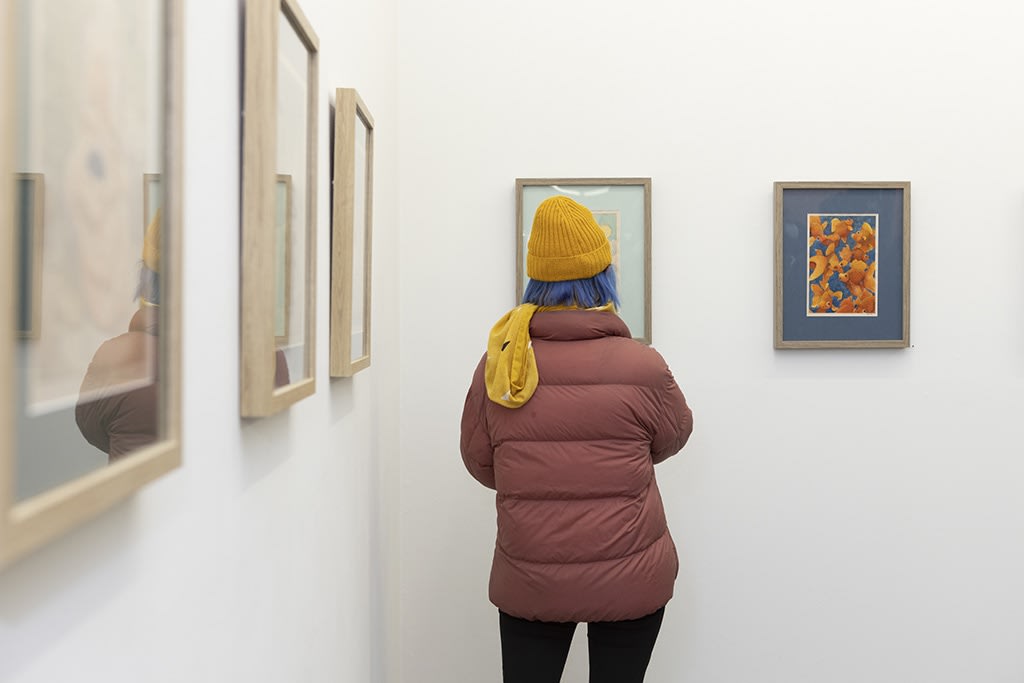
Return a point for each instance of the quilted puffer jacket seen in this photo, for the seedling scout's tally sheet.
(582, 534)
(117, 410)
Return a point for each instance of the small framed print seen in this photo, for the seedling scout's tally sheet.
(278, 208)
(622, 207)
(351, 231)
(842, 265)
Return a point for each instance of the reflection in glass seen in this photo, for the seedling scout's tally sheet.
(89, 74)
(151, 197)
(30, 193)
(359, 242)
(118, 401)
(291, 290)
(282, 266)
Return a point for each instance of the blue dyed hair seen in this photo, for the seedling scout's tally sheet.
(586, 293)
(149, 285)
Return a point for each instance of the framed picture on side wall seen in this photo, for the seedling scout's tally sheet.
(842, 265)
(90, 350)
(279, 151)
(351, 233)
(622, 207)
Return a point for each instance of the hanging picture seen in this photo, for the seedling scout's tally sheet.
(278, 208)
(622, 207)
(90, 372)
(351, 233)
(842, 265)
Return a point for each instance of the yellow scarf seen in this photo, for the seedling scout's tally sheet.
(511, 370)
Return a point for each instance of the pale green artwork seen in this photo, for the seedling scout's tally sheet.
(621, 206)
(610, 222)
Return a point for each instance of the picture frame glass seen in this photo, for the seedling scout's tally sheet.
(360, 339)
(291, 224)
(89, 111)
(622, 211)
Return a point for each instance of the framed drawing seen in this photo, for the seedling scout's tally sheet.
(278, 208)
(351, 233)
(622, 206)
(842, 265)
(29, 202)
(90, 395)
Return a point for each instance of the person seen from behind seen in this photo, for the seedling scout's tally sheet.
(565, 418)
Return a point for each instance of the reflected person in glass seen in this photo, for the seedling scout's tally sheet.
(118, 406)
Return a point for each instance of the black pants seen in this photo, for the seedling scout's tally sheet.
(535, 651)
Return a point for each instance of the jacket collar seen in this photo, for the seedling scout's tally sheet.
(576, 325)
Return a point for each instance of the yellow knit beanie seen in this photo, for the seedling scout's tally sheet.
(151, 244)
(566, 243)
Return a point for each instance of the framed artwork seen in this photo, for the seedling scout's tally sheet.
(29, 200)
(278, 208)
(622, 207)
(842, 265)
(351, 234)
(90, 365)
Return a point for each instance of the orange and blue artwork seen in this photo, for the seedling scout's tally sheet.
(842, 264)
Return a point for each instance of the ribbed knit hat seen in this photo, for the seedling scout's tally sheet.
(151, 244)
(566, 243)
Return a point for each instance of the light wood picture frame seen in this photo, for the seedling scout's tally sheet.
(29, 520)
(622, 206)
(351, 234)
(842, 265)
(271, 136)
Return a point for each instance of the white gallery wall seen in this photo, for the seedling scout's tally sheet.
(842, 516)
(272, 554)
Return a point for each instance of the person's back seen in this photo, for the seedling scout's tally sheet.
(581, 529)
(566, 417)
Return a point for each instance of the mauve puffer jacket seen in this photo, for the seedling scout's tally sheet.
(581, 528)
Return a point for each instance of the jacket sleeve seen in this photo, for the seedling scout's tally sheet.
(477, 452)
(674, 423)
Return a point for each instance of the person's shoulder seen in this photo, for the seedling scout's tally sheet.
(125, 348)
(645, 362)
